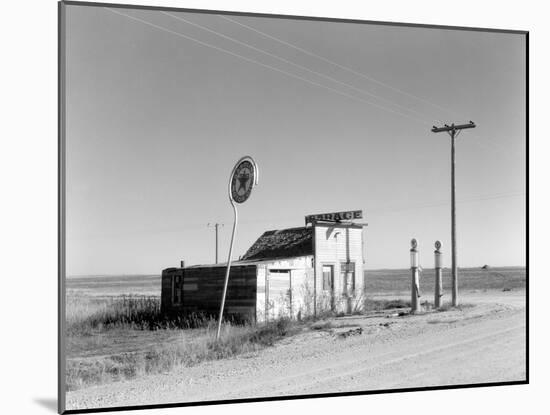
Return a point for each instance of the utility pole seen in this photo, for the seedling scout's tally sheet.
(453, 131)
(216, 226)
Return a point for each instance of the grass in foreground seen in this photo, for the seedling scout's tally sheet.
(163, 357)
(88, 314)
(124, 337)
(118, 338)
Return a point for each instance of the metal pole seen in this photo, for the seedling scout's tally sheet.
(438, 276)
(454, 276)
(227, 269)
(254, 170)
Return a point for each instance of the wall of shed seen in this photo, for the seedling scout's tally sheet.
(335, 245)
(202, 291)
(285, 295)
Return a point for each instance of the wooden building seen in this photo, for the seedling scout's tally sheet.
(293, 272)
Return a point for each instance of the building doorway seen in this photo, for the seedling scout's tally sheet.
(279, 292)
(347, 271)
(328, 283)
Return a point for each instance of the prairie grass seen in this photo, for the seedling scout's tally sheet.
(190, 350)
(88, 314)
(120, 338)
(397, 282)
(117, 337)
(105, 344)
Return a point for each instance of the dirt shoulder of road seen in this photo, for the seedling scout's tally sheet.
(484, 341)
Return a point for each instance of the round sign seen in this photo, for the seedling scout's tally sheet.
(414, 244)
(437, 245)
(242, 181)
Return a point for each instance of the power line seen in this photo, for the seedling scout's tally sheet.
(363, 91)
(382, 211)
(345, 68)
(417, 119)
(376, 211)
(489, 145)
(268, 66)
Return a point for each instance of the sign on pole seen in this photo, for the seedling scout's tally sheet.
(242, 180)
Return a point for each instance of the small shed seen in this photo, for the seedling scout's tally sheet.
(293, 272)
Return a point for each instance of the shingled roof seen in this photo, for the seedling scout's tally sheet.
(284, 243)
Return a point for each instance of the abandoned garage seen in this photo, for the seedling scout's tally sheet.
(294, 272)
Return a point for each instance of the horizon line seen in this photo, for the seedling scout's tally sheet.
(364, 270)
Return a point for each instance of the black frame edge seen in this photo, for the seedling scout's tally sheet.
(292, 397)
(61, 100)
(527, 276)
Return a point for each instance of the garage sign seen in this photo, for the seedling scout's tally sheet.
(335, 216)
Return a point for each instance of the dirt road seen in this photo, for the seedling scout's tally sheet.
(483, 343)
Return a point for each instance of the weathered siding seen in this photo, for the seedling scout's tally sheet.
(336, 245)
(271, 288)
(284, 288)
(202, 291)
(261, 293)
(166, 288)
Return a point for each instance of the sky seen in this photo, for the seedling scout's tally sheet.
(337, 116)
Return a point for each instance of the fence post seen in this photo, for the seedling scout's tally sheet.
(415, 283)
(438, 275)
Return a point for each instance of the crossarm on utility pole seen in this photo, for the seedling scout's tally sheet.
(452, 127)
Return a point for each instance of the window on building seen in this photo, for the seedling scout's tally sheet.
(177, 285)
(328, 277)
(347, 271)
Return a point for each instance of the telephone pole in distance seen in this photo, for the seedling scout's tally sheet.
(453, 131)
(216, 226)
